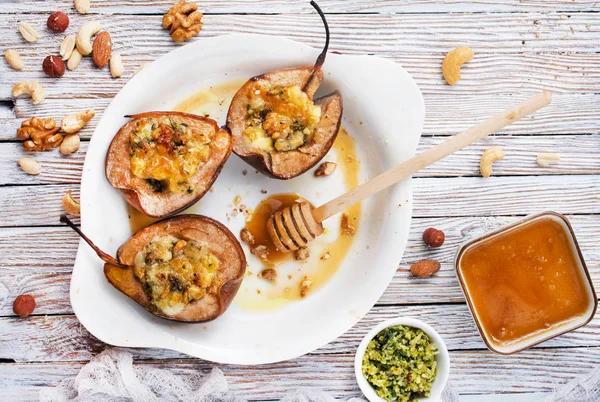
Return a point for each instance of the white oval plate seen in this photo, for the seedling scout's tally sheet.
(383, 111)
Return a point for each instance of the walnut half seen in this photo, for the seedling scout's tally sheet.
(39, 134)
(184, 21)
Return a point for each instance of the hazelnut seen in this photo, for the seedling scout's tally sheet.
(433, 237)
(424, 268)
(24, 305)
(54, 66)
(58, 22)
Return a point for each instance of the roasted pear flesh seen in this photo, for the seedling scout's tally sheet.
(277, 125)
(187, 268)
(163, 162)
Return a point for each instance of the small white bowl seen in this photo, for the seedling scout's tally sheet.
(442, 358)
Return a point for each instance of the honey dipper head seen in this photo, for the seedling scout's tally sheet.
(293, 227)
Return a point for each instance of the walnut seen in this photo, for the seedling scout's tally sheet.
(261, 252)
(326, 169)
(184, 21)
(247, 237)
(347, 228)
(39, 134)
(305, 285)
(269, 274)
(302, 254)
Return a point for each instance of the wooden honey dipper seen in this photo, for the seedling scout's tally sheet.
(294, 227)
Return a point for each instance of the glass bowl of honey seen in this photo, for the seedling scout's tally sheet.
(526, 283)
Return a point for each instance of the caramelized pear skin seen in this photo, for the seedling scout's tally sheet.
(206, 231)
(281, 162)
(153, 197)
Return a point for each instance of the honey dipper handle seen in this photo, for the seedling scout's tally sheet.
(434, 154)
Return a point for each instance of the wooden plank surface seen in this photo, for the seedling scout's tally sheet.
(521, 47)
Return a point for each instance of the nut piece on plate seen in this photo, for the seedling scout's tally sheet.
(184, 20)
(30, 166)
(454, 61)
(82, 6)
(28, 33)
(71, 206)
(58, 22)
(424, 268)
(74, 122)
(83, 41)
(490, 156)
(547, 159)
(325, 169)
(70, 144)
(54, 66)
(66, 47)
(36, 126)
(305, 285)
(302, 254)
(14, 60)
(116, 65)
(101, 49)
(269, 274)
(433, 237)
(247, 237)
(346, 227)
(31, 88)
(260, 251)
(74, 60)
(24, 305)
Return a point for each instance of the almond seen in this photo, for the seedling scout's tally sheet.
(102, 49)
(424, 268)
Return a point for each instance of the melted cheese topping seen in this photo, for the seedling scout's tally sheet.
(283, 119)
(176, 272)
(166, 153)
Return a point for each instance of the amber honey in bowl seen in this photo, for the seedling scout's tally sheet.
(526, 283)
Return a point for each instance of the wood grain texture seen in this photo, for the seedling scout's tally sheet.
(473, 372)
(294, 6)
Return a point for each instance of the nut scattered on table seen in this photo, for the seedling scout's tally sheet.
(101, 49)
(269, 274)
(490, 156)
(83, 41)
(66, 47)
(184, 21)
(433, 237)
(71, 206)
(305, 286)
(454, 61)
(302, 254)
(30, 166)
(32, 88)
(24, 305)
(346, 227)
(14, 60)
(72, 123)
(425, 268)
(547, 159)
(116, 65)
(54, 66)
(70, 144)
(74, 59)
(325, 169)
(58, 22)
(36, 127)
(28, 32)
(82, 6)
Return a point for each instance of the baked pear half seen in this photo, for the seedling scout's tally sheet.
(277, 125)
(163, 162)
(186, 268)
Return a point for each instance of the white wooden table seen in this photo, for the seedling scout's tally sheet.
(521, 46)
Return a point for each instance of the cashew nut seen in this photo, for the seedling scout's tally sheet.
(82, 6)
(490, 156)
(74, 122)
(29, 166)
(74, 60)
(71, 206)
(31, 88)
(84, 37)
(453, 62)
(545, 160)
(14, 60)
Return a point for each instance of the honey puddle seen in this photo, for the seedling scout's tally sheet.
(257, 294)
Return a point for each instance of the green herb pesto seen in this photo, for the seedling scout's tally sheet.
(399, 363)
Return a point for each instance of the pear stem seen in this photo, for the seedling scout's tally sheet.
(321, 59)
(103, 256)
